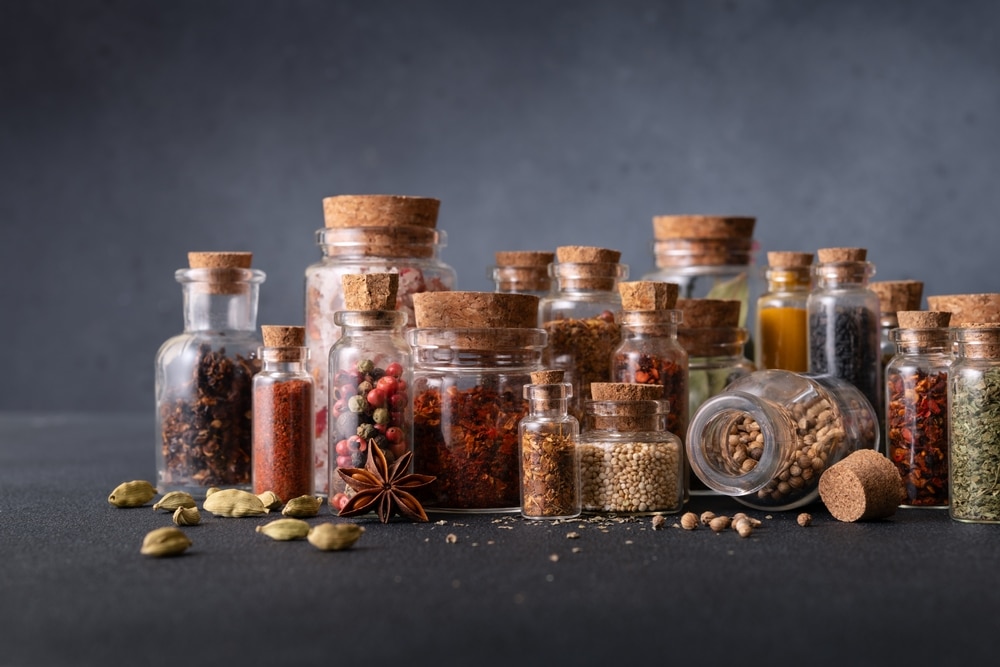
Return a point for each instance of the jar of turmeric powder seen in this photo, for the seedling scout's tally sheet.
(782, 339)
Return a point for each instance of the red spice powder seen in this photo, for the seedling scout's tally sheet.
(283, 438)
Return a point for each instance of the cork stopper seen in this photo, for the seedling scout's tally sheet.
(227, 273)
(370, 291)
(648, 295)
(863, 486)
(979, 340)
(702, 227)
(831, 255)
(475, 310)
(220, 260)
(524, 258)
(625, 391)
(634, 408)
(923, 319)
(784, 259)
(283, 336)
(897, 295)
(523, 270)
(380, 211)
(968, 308)
(547, 377)
(580, 254)
(709, 313)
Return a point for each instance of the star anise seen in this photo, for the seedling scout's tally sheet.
(383, 489)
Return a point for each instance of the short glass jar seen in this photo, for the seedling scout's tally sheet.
(549, 455)
(629, 463)
(769, 436)
(468, 399)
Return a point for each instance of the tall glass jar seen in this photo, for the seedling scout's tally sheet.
(366, 234)
(894, 296)
(204, 403)
(769, 436)
(522, 272)
(974, 424)
(782, 339)
(283, 417)
(468, 399)
(579, 316)
(371, 374)
(844, 319)
(916, 428)
(549, 456)
(629, 463)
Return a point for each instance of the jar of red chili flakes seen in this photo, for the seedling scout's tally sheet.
(917, 406)
(366, 234)
(473, 354)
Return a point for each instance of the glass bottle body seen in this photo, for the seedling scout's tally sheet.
(782, 321)
(769, 436)
(203, 384)
(549, 456)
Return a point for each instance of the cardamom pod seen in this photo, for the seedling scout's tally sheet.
(210, 490)
(173, 500)
(168, 541)
(303, 506)
(270, 499)
(187, 516)
(334, 536)
(234, 503)
(285, 529)
(136, 493)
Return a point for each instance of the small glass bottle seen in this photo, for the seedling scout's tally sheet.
(523, 272)
(629, 463)
(579, 316)
(782, 339)
(844, 316)
(769, 436)
(283, 417)
(916, 428)
(974, 424)
(204, 403)
(549, 456)
(366, 234)
(371, 371)
(894, 296)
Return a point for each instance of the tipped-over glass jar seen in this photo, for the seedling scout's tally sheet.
(769, 436)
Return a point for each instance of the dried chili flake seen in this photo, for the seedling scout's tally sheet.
(917, 434)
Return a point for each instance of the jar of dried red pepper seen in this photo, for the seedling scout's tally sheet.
(371, 372)
(366, 234)
(283, 415)
(471, 363)
(203, 377)
(579, 316)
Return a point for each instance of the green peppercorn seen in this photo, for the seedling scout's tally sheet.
(366, 366)
(357, 404)
(365, 387)
(366, 431)
(381, 416)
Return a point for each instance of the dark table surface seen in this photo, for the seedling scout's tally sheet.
(917, 588)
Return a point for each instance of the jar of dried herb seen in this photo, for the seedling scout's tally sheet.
(203, 377)
(579, 316)
(549, 456)
(916, 384)
(370, 372)
(974, 424)
(768, 437)
(782, 339)
(522, 272)
(473, 354)
(366, 234)
(283, 418)
(629, 463)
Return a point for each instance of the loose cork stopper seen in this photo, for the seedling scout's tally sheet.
(831, 255)
(897, 295)
(625, 391)
(475, 310)
(283, 336)
(702, 227)
(785, 259)
(968, 308)
(220, 260)
(863, 486)
(923, 319)
(579, 254)
(547, 377)
(370, 291)
(380, 211)
(648, 295)
(709, 313)
(524, 258)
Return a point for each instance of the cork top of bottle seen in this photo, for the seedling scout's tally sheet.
(579, 254)
(222, 273)
(380, 211)
(702, 227)
(784, 259)
(625, 391)
(524, 258)
(648, 295)
(220, 260)
(968, 308)
(283, 335)
(370, 291)
(923, 319)
(898, 295)
(475, 310)
(710, 313)
(831, 255)
(547, 377)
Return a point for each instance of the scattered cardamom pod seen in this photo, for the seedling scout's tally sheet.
(270, 499)
(168, 541)
(173, 500)
(187, 516)
(132, 494)
(334, 536)
(210, 490)
(285, 529)
(303, 506)
(234, 503)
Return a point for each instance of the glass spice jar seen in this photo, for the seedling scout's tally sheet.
(579, 316)
(283, 419)
(366, 234)
(974, 424)
(916, 381)
(894, 296)
(782, 322)
(548, 454)
(844, 317)
(522, 272)
(203, 377)
(769, 436)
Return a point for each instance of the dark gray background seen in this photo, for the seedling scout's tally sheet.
(132, 132)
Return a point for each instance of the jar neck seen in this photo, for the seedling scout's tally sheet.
(587, 277)
(356, 322)
(521, 279)
(977, 343)
(834, 275)
(714, 342)
(797, 279)
(476, 348)
(220, 299)
(391, 241)
(921, 341)
(626, 416)
(687, 252)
